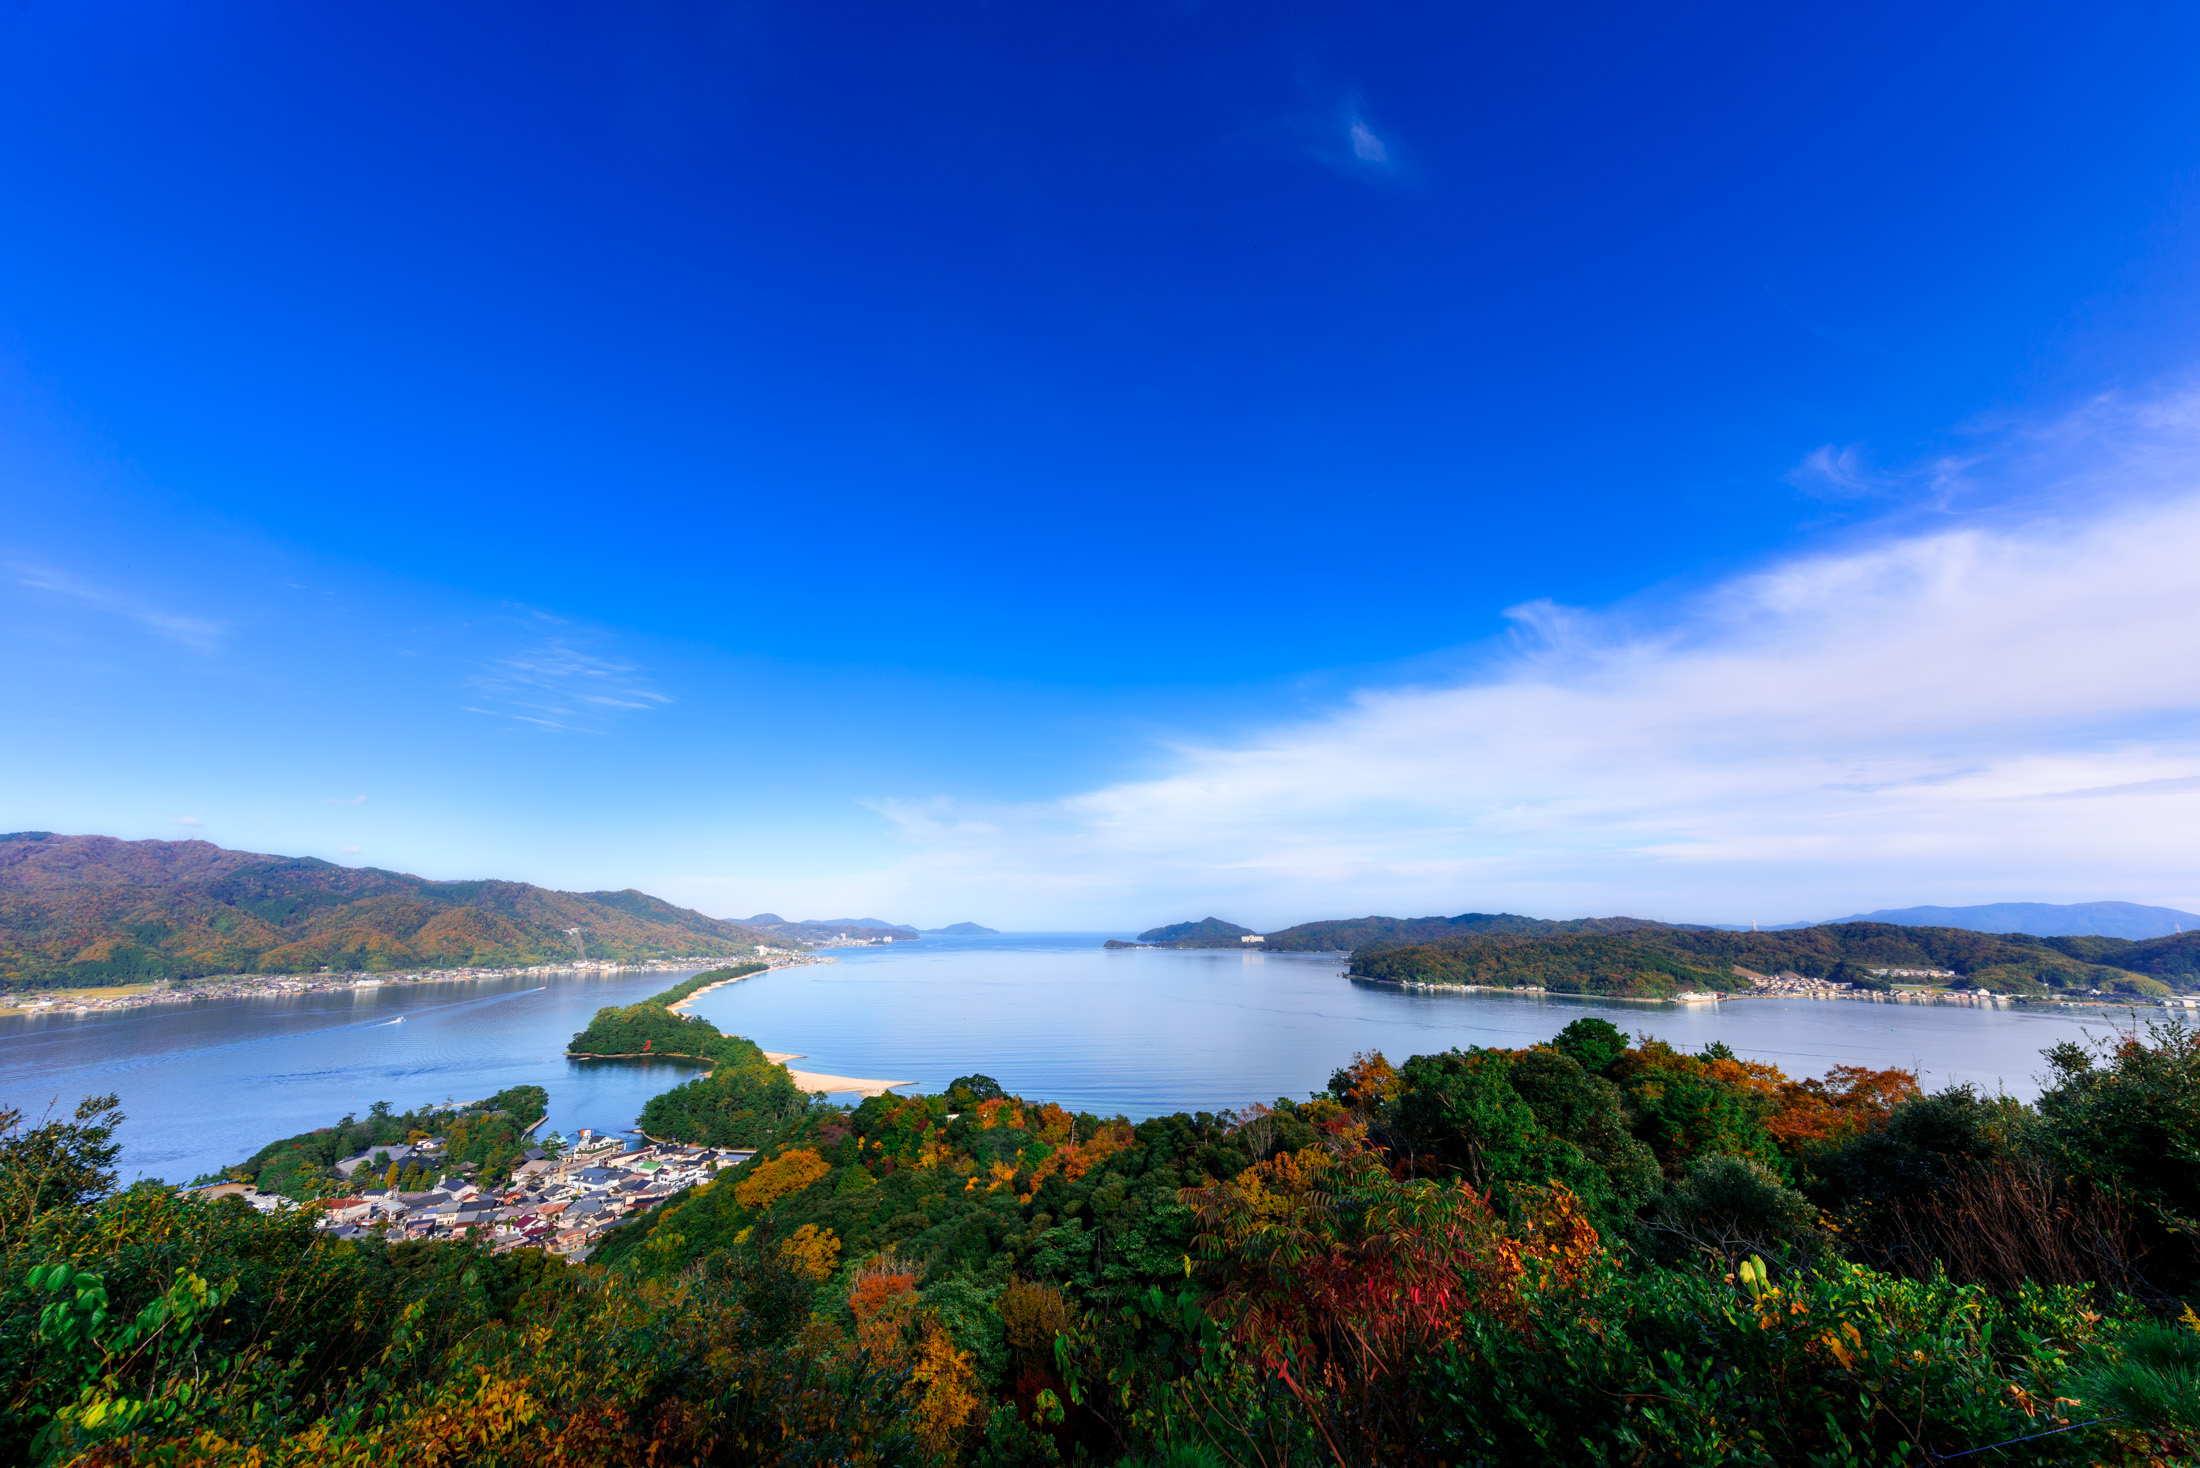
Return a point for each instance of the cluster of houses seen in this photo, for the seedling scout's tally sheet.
(562, 1205)
(1790, 983)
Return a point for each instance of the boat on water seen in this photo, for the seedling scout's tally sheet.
(1690, 996)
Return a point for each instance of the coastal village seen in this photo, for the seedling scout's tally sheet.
(1907, 985)
(561, 1205)
(273, 986)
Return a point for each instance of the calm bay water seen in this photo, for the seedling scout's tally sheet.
(1048, 1015)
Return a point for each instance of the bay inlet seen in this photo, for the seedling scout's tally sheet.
(1052, 1016)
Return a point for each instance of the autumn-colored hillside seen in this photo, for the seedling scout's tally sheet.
(95, 910)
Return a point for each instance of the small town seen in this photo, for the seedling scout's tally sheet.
(561, 1205)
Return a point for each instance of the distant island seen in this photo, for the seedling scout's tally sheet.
(963, 930)
(1206, 930)
(83, 911)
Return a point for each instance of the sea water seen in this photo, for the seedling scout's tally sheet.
(1050, 1016)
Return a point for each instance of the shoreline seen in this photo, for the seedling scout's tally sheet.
(1896, 997)
(797, 961)
(105, 999)
(814, 1082)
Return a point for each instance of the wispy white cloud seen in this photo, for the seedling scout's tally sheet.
(348, 850)
(1839, 473)
(197, 633)
(1366, 147)
(1903, 719)
(345, 800)
(556, 683)
(188, 821)
(1339, 132)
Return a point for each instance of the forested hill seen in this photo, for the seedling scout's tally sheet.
(1650, 959)
(95, 910)
(1344, 935)
(1212, 930)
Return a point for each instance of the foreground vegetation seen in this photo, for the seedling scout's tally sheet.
(1587, 1251)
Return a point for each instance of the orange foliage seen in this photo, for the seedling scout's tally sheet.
(1000, 1111)
(1074, 1159)
(1371, 1081)
(1753, 1077)
(1848, 1099)
(883, 1300)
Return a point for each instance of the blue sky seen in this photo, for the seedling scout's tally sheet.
(1093, 465)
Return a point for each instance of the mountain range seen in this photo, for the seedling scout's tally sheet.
(83, 910)
(821, 930)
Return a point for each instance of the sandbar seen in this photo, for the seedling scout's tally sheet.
(810, 1080)
(676, 1007)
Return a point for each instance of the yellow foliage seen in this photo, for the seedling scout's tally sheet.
(1032, 1315)
(790, 1172)
(951, 1396)
(812, 1250)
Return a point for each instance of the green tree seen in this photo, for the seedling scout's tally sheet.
(56, 1164)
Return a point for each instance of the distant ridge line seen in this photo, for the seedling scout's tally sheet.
(2040, 919)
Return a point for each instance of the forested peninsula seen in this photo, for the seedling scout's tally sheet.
(91, 910)
(1653, 960)
(1636, 957)
(743, 1099)
(1589, 1250)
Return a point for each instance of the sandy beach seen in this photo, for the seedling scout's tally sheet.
(810, 1080)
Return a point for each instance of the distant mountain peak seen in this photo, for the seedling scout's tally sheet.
(2042, 919)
